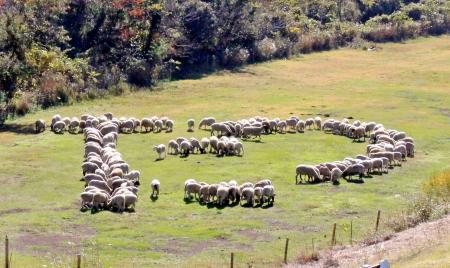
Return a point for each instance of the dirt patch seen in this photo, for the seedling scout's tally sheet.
(68, 241)
(187, 248)
(255, 235)
(14, 211)
(401, 245)
(281, 225)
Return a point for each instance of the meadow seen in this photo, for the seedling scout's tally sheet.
(404, 86)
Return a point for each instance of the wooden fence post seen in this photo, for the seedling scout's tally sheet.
(6, 252)
(286, 250)
(351, 232)
(333, 237)
(312, 242)
(378, 221)
(232, 260)
(78, 260)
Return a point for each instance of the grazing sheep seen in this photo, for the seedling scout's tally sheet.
(173, 147)
(355, 169)
(212, 192)
(281, 126)
(269, 192)
(59, 127)
(300, 126)
(336, 173)
(213, 142)
(133, 175)
(252, 131)
(291, 123)
(192, 188)
(39, 126)
(169, 125)
(358, 133)
(190, 123)
(74, 125)
(155, 185)
(245, 185)
(318, 123)
(101, 185)
(55, 119)
(206, 122)
(147, 124)
(233, 193)
(388, 155)
(263, 183)
(221, 129)
(89, 167)
(204, 193)
(222, 195)
(324, 172)
(195, 145)
(409, 149)
(307, 170)
(377, 164)
(238, 148)
(158, 125)
(258, 194)
(160, 150)
(109, 115)
(204, 144)
(309, 123)
(247, 194)
(185, 148)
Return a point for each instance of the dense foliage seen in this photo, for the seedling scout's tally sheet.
(57, 51)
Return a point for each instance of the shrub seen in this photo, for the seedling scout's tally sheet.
(265, 49)
(438, 186)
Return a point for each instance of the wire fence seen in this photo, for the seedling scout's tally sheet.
(289, 250)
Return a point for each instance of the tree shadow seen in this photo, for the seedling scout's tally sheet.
(18, 129)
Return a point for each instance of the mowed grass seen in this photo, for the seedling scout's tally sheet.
(404, 86)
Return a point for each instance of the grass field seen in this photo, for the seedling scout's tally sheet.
(404, 86)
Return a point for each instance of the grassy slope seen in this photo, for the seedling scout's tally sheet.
(404, 86)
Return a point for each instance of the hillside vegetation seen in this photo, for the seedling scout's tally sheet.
(404, 86)
(62, 51)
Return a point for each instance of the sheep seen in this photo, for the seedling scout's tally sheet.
(212, 191)
(221, 129)
(324, 171)
(399, 135)
(39, 126)
(377, 163)
(358, 133)
(195, 145)
(133, 175)
(92, 176)
(173, 147)
(204, 144)
(55, 119)
(190, 123)
(269, 192)
(87, 199)
(309, 123)
(398, 158)
(355, 169)
(59, 127)
(336, 173)
(169, 125)
(238, 148)
(117, 201)
(318, 123)
(388, 155)
(222, 194)
(252, 131)
(310, 171)
(409, 149)
(147, 124)
(155, 185)
(89, 167)
(185, 148)
(109, 115)
(245, 185)
(233, 193)
(158, 125)
(281, 126)
(204, 193)
(101, 185)
(213, 142)
(263, 183)
(127, 126)
(300, 126)
(291, 123)
(73, 125)
(160, 150)
(401, 149)
(258, 194)
(179, 140)
(247, 194)
(206, 122)
(192, 188)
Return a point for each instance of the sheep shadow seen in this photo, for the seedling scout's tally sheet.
(269, 205)
(158, 159)
(190, 130)
(18, 129)
(154, 198)
(358, 141)
(252, 140)
(188, 200)
(357, 181)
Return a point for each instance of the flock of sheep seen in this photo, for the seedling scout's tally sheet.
(223, 193)
(388, 147)
(110, 184)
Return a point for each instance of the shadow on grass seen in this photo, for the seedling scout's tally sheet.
(357, 181)
(18, 129)
(154, 198)
(159, 159)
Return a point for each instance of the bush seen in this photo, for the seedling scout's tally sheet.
(21, 103)
(438, 187)
(265, 49)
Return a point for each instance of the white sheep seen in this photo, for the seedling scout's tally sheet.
(160, 150)
(190, 124)
(39, 125)
(310, 171)
(185, 148)
(318, 123)
(155, 186)
(269, 193)
(169, 125)
(204, 144)
(59, 127)
(222, 194)
(192, 188)
(247, 194)
(206, 122)
(173, 147)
